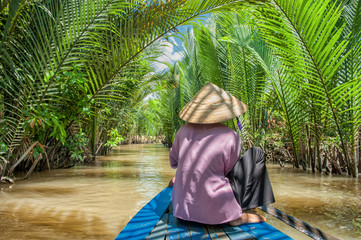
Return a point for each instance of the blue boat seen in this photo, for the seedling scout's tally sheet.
(156, 221)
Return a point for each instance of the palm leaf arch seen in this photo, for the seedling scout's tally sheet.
(311, 53)
(102, 38)
(106, 38)
(208, 57)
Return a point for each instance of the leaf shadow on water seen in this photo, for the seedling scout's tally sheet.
(37, 222)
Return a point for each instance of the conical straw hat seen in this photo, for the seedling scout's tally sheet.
(212, 104)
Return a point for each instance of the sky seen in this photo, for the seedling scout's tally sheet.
(172, 52)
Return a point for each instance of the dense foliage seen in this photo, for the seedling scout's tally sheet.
(71, 69)
(76, 76)
(299, 78)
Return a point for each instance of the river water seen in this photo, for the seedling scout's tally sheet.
(96, 202)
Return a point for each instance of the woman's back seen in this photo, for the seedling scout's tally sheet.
(203, 154)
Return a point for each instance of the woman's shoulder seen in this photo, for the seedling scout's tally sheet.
(226, 129)
(214, 127)
(228, 133)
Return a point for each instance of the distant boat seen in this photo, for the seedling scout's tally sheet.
(156, 221)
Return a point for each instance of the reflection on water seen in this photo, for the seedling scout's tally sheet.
(332, 204)
(96, 202)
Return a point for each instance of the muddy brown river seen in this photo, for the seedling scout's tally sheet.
(96, 202)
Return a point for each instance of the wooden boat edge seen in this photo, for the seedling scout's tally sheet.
(142, 224)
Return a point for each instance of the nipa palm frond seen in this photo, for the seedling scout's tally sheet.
(42, 40)
(317, 49)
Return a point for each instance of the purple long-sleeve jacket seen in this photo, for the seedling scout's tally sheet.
(203, 155)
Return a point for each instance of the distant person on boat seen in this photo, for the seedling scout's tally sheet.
(213, 184)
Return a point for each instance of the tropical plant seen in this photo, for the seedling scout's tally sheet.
(114, 138)
(274, 52)
(3, 162)
(76, 145)
(248, 62)
(312, 53)
(42, 40)
(229, 54)
(291, 99)
(69, 67)
(349, 77)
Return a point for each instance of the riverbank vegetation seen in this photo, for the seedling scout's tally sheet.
(77, 77)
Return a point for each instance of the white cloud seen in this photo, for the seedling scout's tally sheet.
(171, 53)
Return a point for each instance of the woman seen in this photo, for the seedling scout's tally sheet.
(205, 152)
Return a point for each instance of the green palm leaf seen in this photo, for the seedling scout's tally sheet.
(101, 38)
(350, 75)
(290, 97)
(317, 50)
(248, 63)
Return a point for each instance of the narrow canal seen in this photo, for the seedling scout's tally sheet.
(96, 202)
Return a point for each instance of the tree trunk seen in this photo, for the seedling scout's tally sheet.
(312, 160)
(318, 153)
(358, 151)
(335, 166)
(303, 157)
(93, 133)
(309, 150)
